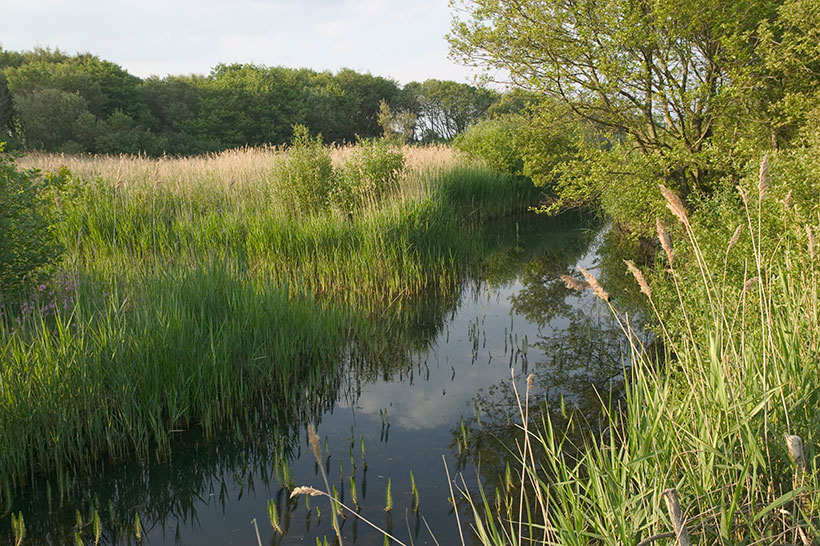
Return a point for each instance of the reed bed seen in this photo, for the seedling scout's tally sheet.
(192, 294)
(240, 166)
(711, 421)
(116, 373)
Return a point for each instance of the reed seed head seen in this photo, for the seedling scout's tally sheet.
(574, 284)
(787, 201)
(763, 178)
(810, 236)
(305, 490)
(313, 438)
(748, 285)
(640, 278)
(666, 241)
(674, 204)
(743, 194)
(735, 238)
(596, 288)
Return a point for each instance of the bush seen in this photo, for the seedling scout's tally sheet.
(28, 214)
(493, 142)
(368, 175)
(305, 175)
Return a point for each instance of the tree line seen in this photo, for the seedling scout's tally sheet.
(56, 102)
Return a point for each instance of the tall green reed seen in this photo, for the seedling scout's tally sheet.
(707, 416)
(197, 303)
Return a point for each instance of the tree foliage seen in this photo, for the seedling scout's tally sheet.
(27, 216)
(70, 103)
(397, 127)
(684, 91)
(447, 108)
(306, 174)
(493, 141)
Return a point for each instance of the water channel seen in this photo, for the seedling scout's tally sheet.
(444, 398)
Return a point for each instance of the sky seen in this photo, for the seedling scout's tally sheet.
(399, 39)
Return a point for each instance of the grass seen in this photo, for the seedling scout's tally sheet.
(242, 167)
(191, 295)
(115, 374)
(708, 417)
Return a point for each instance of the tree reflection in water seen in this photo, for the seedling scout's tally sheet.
(577, 364)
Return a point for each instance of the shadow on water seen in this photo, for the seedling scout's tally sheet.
(435, 384)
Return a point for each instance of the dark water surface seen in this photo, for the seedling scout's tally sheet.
(443, 396)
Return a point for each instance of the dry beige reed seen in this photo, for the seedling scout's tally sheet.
(305, 490)
(735, 238)
(763, 178)
(240, 167)
(743, 195)
(593, 283)
(574, 284)
(674, 204)
(639, 278)
(666, 241)
(751, 283)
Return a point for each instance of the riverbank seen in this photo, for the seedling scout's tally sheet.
(716, 416)
(200, 302)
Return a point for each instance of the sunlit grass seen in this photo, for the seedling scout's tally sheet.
(193, 295)
(708, 417)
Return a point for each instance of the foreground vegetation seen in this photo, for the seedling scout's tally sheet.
(717, 102)
(713, 416)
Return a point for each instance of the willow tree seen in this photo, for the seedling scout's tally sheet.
(663, 74)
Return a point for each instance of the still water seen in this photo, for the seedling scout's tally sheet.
(443, 397)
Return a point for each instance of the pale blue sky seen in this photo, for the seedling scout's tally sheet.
(400, 39)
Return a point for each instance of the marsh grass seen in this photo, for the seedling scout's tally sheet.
(116, 374)
(707, 417)
(237, 167)
(200, 299)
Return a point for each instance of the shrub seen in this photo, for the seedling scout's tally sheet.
(28, 214)
(305, 175)
(493, 142)
(369, 175)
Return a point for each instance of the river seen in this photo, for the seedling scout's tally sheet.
(442, 398)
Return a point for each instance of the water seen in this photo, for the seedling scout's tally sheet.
(441, 398)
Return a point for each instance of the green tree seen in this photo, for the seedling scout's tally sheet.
(170, 100)
(244, 104)
(105, 86)
(6, 110)
(447, 108)
(366, 91)
(329, 109)
(789, 47)
(493, 142)
(120, 133)
(49, 119)
(662, 73)
(8, 59)
(397, 127)
(173, 103)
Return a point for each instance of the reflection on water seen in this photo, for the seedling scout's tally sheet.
(436, 390)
